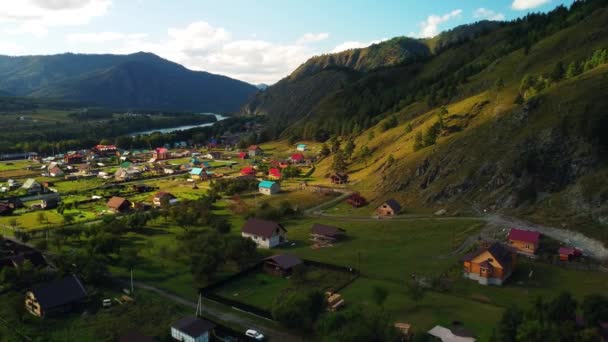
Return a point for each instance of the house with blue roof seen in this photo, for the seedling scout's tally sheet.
(267, 187)
(301, 147)
(198, 173)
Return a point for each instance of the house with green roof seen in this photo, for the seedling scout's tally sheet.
(267, 187)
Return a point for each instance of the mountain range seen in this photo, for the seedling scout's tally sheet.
(492, 116)
(139, 80)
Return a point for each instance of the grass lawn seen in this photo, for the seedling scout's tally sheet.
(302, 199)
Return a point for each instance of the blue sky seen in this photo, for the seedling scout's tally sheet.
(256, 41)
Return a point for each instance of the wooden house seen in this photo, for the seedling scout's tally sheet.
(59, 296)
(198, 173)
(339, 178)
(163, 197)
(73, 158)
(281, 265)
(266, 234)
(490, 266)
(160, 153)
(569, 253)
(269, 187)
(389, 208)
(192, 329)
(119, 205)
(254, 151)
(524, 241)
(326, 234)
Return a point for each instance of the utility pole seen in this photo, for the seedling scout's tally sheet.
(199, 305)
(131, 281)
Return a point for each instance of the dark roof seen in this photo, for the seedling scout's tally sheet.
(524, 235)
(394, 205)
(321, 229)
(193, 326)
(59, 292)
(501, 254)
(261, 228)
(134, 336)
(285, 261)
(461, 331)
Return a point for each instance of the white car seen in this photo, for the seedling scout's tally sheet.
(254, 334)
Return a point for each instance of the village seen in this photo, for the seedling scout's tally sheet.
(312, 231)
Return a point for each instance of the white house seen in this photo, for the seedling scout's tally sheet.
(191, 329)
(269, 187)
(266, 234)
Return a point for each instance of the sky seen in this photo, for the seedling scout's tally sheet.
(258, 41)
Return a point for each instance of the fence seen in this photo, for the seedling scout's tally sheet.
(208, 291)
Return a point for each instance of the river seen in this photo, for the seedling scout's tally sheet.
(182, 128)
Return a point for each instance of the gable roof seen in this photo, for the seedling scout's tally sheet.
(196, 171)
(266, 184)
(284, 261)
(161, 150)
(254, 147)
(59, 292)
(274, 172)
(297, 156)
(29, 183)
(524, 235)
(393, 204)
(247, 170)
(117, 202)
(501, 253)
(193, 326)
(162, 194)
(261, 228)
(321, 229)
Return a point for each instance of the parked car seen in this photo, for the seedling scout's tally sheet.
(254, 334)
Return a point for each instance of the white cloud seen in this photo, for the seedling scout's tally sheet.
(484, 13)
(355, 45)
(312, 37)
(527, 4)
(11, 49)
(35, 17)
(430, 27)
(201, 46)
(103, 37)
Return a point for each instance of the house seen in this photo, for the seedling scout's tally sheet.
(160, 153)
(297, 158)
(125, 174)
(338, 178)
(326, 234)
(301, 147)
(163, 197)
(50, 203)
(192, 329)
(248, 171)
(6, 209)
(119, 204)
(569, 253)
(389, 208)
(524, 241)
(490, 266)
(198, 173)
(281, 265)
(266, 234)
(269, 187)
(356, 200)
(405, 331)
(243, 155)
(74, 158)
(213, 155)
(56, 171)
(274, 173)
(31, 186)
(59, 296)
(254, 150)
(454, 334)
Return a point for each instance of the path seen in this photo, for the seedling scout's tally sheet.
(221, 313)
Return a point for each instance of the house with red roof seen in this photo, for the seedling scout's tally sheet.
(524, 241)
(248, 171)
(274, 173)
(243, 155)
(160, 153)
(297, 158)
(254, 150)
(73, 158)
(569, 253)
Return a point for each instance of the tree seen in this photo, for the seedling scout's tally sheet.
(390, 160)
(338, 165)
(409, 128)
(41, 218)
(357, 324)
(221, 225)
(562, 308)
(370, 135)
(595, 309)
(22, 236)
(13, 223)
(68, 218)
(325, 150)
(415, 291)
(241, 251)
(349, 148)
(499, 84)
(507, 328)
(335, 144)
(573, 70)
(379, 294)
(558, 72)
(298, 310)
(418, 141)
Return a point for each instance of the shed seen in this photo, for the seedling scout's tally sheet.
(301, 147)
(525, 241)
(323, 233)
(269, 187)
(569, 253)
(281, 265)
(254, 150)
(339, 178)
(192, 329)
(119, 204)
(389, 208)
